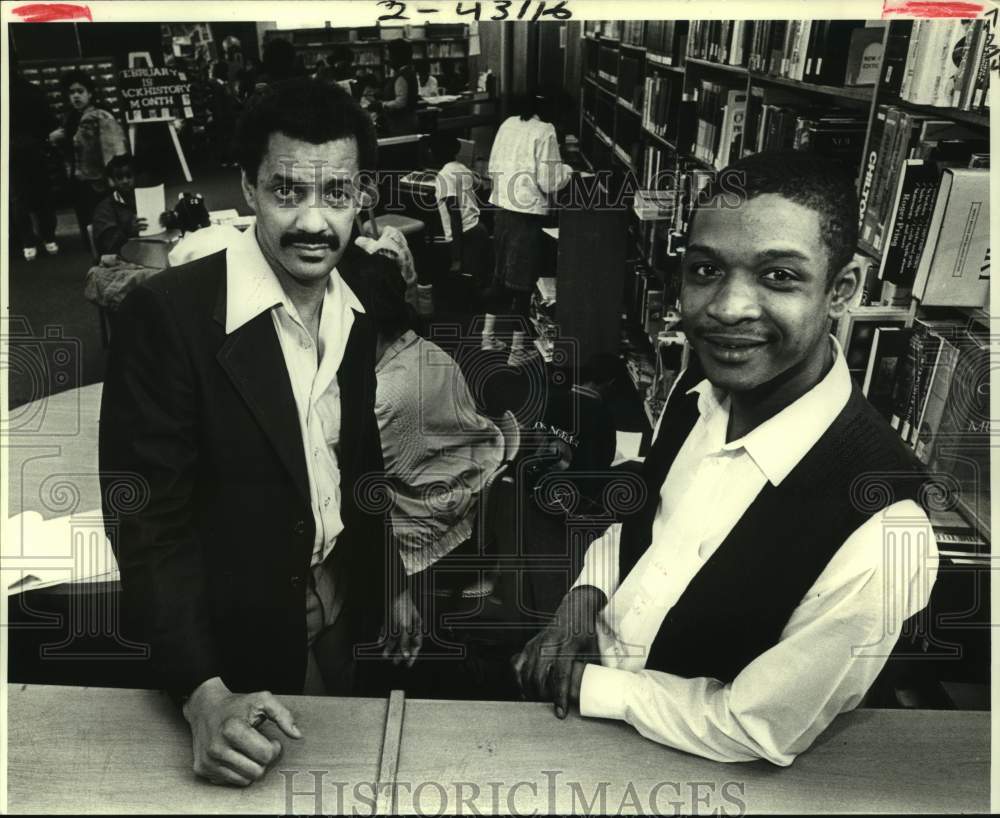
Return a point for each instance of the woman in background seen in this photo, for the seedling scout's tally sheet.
(525, 168)
(89, 138)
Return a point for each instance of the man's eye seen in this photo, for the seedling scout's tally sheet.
(285, 193)
(705, 271)
(780, 276)
(337, 198)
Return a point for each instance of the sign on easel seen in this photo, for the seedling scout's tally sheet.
(155, 94)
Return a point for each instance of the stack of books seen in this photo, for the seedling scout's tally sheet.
(925, 207)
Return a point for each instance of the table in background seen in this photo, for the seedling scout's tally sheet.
(867, 761)
(100, 750)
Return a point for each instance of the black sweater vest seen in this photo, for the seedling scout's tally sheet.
(737, 604)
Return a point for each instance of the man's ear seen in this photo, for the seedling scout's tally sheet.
(843, 287)
(249, 191)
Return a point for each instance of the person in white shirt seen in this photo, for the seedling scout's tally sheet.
(758, 589)
(428, 84)
(455, 193)
(526, 169)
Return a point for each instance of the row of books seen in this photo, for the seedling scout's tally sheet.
(829, 131)
(824, 52)
(925, 207)
(667, 39)
(943, 63)
(931, 382)
(721, 113)
(661, 104)
(438, 50)
(632, 32)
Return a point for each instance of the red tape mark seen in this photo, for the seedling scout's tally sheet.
(926, 8)
(51, 12)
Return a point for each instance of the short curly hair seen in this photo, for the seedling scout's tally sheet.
(304, 109)
(809, 179)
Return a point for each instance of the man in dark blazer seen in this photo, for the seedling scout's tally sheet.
(239, 403)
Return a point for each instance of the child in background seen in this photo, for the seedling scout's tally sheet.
(115, 220)
(454, 189)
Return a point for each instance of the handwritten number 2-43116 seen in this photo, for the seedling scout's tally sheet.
(496, 10)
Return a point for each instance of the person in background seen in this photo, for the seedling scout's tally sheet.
(751, 598)
(225, 109)
(115, 220)
(438, 450)
(454, 189)
(89, 138)
(526, 169)
(31, 121)
(428, 82)
(232, 50)
(401, 92)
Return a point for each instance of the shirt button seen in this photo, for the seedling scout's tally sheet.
(703, 550)
(295, 582)
(299, 527)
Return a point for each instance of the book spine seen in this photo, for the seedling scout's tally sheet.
(894, 60)
(910, 222)
(937, 395)
(912, 58)
(870, 164)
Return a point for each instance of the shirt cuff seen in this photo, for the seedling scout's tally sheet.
(602, 692)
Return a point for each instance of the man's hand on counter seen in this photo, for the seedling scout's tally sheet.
(550, 668)
(228, 747)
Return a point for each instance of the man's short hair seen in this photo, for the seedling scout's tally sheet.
(119, 162)
(304, 109)
(808, 179)
(77, 76)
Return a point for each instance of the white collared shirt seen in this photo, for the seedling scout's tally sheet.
(253, 288)
(837, 639)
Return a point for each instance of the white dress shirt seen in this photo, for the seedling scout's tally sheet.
(253, 288)
(837, 639)
(525, 166)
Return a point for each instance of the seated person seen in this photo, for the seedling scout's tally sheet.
(115, 220)
(576, 433)
(454, 189)
(750, 598)
(428, 82)
(438, 450)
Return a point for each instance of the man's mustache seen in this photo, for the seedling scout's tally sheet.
(331, 240)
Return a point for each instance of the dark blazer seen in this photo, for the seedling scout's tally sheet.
(205, 489)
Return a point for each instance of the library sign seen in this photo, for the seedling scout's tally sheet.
(155, 93)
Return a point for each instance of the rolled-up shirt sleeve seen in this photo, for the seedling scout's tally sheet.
(830, 652)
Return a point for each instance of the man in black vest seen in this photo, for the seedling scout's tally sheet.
(237, 434)
(760, 587)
